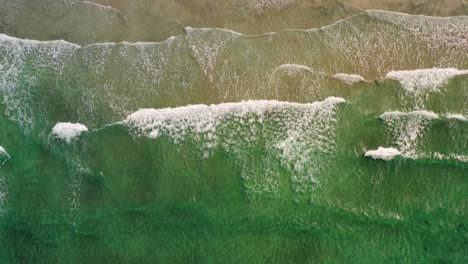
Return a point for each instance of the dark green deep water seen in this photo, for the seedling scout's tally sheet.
(237, 183)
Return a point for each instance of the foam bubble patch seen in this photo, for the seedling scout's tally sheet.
(459, 117)
(300, 136)
(4, 156)
(382, 153)
(349, 79)
(408, 129)
(68, 131)
(421, 80)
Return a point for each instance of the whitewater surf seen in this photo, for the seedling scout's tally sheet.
(266, 131)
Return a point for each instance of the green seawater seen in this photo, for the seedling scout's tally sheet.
(242, 178)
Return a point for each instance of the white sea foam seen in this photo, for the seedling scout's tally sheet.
(68, 131)
(382, 153)
(423, 80)
(398, 114)
(445, 37)
(204, 118)
(262, 6)
(292, 69)
(3, 151)
(408, 128)
(288, 80)
(349, 79)
(207, 44)
(457, 116)
(301, 136)
(450, 156)
(20, 87)
(4, 156)
(6, 38)
(16, 84)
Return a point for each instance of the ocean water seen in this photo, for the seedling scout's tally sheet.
(346, 143)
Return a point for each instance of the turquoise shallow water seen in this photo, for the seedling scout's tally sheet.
(264, 156)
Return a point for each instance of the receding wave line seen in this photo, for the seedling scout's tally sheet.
(374, 13)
